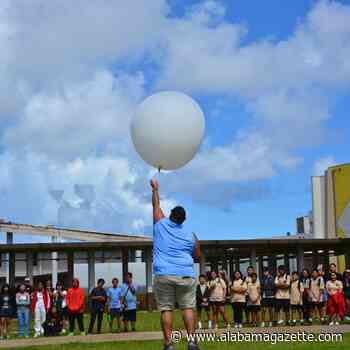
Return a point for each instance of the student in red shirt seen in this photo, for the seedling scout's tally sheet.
(76, 306)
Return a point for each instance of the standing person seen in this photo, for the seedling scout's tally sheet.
(346, 291)
(29, 288)
(76, 306)
(98, 299)
(335, 303)
(248, 278)
(268, 298)
(53, 324)
(254, 299)
(202, 301)
(317, 287)
(7, 310)
(282, 296)
(114, 306)
(321, 273)
(333, 269)
(49, 292)
(129, 302)
(307, 307)
(39, 308)
(238, 298)
(225, 277)
(217, 288)
(174, 249)
(60, 302)
(296, 298)
(23, 311)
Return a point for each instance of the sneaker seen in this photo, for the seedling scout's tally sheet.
(301, 322)
(240, 325)
(192, 346)
(262, 324)
(71, 334)
(310, 320)
(270, 324)
(63, 331)
(199, 325)
(337, 323)
(168, 347)
(331, 323)
(280, 322)
(294, 322)
(228, 326)
(36, 335)
(346, 318)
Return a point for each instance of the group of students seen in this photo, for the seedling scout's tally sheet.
(274, 300)
(55, 311)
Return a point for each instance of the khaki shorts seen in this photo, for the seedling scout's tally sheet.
(170, 290)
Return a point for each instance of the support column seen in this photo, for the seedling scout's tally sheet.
(202, 263)
(260, 267)
(125, 262)
(286, 261)
(12, 269)
(30, 267)
(54, 258)
(215, 264)
(237, 264)
(253, 258)
(300, 258)
(272, 264)
(70, 267)
(149, 278)
(91, 270)
(232, 268)
(9, 240)
(347, 258)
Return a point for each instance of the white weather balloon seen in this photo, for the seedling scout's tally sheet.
(167, 129)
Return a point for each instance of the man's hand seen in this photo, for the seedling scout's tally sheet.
(157, 211)
(154, 184)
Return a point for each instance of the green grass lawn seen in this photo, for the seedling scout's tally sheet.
(157, 345)
(149, 321)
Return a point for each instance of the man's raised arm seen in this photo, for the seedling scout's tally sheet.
(157, 211)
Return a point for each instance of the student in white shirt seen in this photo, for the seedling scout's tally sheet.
(282, 296)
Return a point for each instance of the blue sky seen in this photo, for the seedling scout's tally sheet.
(271, 77)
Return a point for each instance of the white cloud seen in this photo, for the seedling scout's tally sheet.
(79, 119)
(287, 86)
(67, 96)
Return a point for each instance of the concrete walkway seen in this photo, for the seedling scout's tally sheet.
(143, 336)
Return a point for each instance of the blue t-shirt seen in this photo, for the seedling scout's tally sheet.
(173, 248)
(129, 297)
(114, 294)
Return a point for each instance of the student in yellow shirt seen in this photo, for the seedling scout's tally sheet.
(254, 299)
(282, 296)
(238, 298)
(317, 286)
(296, 298)
(217, 298)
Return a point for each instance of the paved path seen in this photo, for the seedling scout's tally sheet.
(143, 336)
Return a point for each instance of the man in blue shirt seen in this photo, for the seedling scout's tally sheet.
(174, 249)
(113, 297)
(129, 301)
